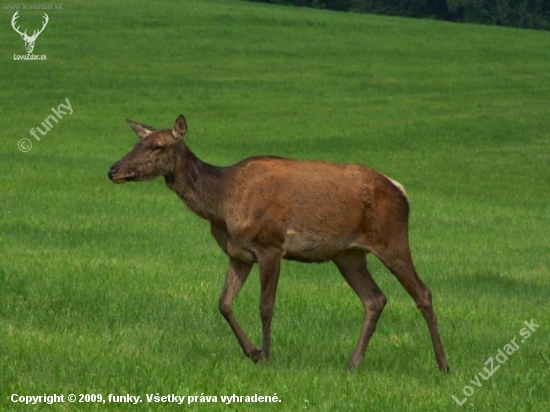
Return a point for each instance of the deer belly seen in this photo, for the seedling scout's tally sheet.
(313, 248)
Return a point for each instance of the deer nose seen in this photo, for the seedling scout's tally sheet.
(111, 172)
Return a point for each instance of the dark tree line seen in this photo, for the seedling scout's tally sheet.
(532, 14)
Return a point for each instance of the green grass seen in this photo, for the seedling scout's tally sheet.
(110, 289)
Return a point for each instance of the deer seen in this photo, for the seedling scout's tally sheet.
(265, 209)
(29, 40)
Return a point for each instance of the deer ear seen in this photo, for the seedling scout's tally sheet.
(141, 130)
(180, 128)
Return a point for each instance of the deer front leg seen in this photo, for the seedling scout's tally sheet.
(270, 265)
(236, 276)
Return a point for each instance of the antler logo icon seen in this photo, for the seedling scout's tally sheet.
(29, 40)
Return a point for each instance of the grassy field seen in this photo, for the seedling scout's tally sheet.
(110, 289)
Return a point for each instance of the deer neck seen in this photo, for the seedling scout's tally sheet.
(198, 184)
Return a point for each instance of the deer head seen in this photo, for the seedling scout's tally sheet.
(153, 155)
(29, 40)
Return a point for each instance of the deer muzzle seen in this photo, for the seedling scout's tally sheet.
(116, 177)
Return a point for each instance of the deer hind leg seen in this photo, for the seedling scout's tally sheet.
(236, 276)
(353, 267)
(399, 262)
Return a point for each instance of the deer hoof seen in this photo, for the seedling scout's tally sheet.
(256, 355)
(445, 368)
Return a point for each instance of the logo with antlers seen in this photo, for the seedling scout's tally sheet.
(29, 40)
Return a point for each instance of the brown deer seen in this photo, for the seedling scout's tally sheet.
(264, 209)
